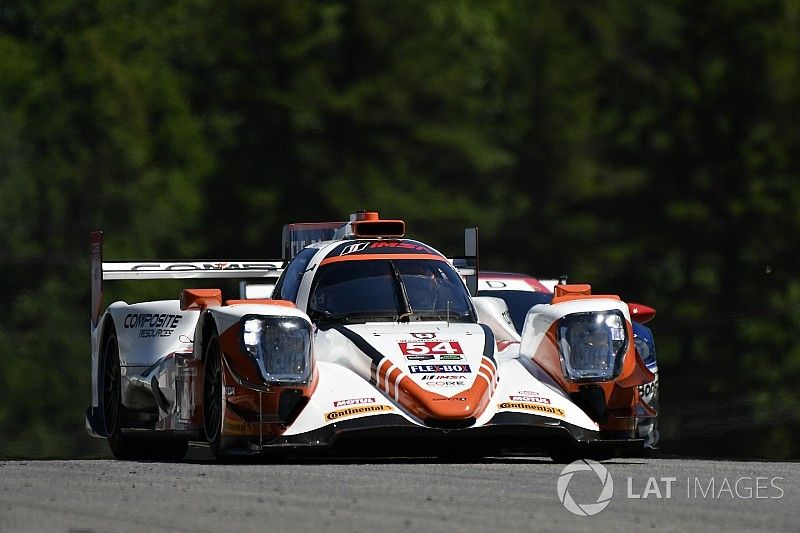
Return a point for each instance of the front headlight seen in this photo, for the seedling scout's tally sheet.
(592, 345)
(280, 346)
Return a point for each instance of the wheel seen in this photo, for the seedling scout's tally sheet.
(212, 394)
(129, 447)
(114, 413)
(111, 384)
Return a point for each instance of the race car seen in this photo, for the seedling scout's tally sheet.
(521, 292)
(370, 344)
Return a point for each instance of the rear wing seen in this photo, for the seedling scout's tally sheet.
(149, 270)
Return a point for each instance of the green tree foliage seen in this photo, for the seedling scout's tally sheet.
(650, 148)
(98, 132)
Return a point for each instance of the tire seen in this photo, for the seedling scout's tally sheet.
(114, 413)
(111, 380)
(128, 447)
(212, 394)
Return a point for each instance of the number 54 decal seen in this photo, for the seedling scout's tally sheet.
(431, 348)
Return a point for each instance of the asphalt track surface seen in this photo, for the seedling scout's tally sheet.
(517, 494)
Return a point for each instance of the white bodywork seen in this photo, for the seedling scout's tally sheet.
(443, 358)
(541, 317)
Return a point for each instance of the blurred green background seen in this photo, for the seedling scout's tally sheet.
(649, 148)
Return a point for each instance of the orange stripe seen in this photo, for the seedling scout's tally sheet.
(483, 370)
(393, 381)
(381, 373)
(502, 345)
(367, 257)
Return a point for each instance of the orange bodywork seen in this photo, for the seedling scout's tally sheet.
(200, 298)
(425, 404)
(621, 393)
(251, 406)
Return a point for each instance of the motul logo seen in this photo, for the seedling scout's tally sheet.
(353, 401)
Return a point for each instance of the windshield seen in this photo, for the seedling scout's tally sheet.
(386, 289)
(519, 303)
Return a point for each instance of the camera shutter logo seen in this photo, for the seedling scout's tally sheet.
(585, 509)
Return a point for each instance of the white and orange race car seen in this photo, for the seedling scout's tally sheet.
(521, 293)
(370, 344)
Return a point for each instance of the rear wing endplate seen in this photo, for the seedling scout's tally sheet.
(467, 265)
(149, 270)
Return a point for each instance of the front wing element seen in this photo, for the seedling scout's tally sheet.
(506, 432)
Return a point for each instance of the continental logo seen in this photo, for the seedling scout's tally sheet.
(352, 411)
(532, 407)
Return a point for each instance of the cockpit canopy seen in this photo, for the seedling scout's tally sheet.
(396, 289)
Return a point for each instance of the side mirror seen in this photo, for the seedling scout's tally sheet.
(641, 313)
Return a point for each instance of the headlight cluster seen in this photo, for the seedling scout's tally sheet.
(280, 346)
(592, 345)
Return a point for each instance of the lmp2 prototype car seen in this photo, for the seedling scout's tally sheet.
(521, 292)
(370, 344)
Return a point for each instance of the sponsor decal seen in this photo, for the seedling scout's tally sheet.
(152, 324)
(353, 401)
(648, 391)
(455, 399)
(532, 407)
(352, 411)
(444, 383)
(534, 399)
(427, 357)
(424, 335)
(438, 380)
(168, 267)
(439, 369)
(451, 357)
(410, 246)
(430, 377)
(353, 248)
(430, 347)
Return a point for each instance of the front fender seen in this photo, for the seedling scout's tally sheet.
(222, 318)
